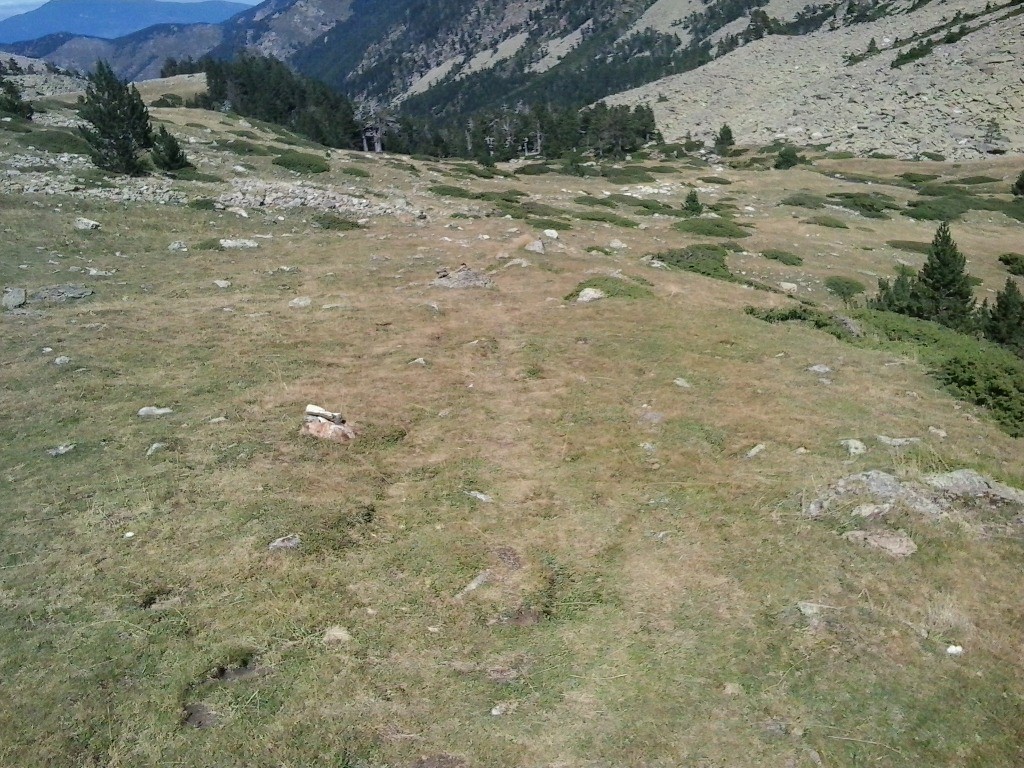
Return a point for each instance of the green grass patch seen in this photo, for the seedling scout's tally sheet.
(711, 228)
(824, 220)
(355, 170)
(805, 200)
(628, 174)
(706, 259)
(973, 180)
(605, 218)
(245, 148)
(785, 257)
(56, 141)
(301, 162)
(613, 288)
(912, 246)
(334, 222)
(918, 178)
(872, 205)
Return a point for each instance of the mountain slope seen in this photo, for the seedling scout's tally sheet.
(111, 18)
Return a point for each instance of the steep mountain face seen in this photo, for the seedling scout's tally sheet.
(900, 76)
(111, 18)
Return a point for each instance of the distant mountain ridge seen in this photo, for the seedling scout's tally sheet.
(111, 18)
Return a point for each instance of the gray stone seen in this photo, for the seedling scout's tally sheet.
(238, 244)
(60, 450)
(590, 294)
(178, 246)
(897, 442)
(820, 369)
(152, 411)
(86, 224)
(551, 234)
(537, 246)
(854, 447)
(222, 283)
(895, 543)
(682, 383)
(61, 293)
(967, 482)
(292, 541)
(155, 448)
(300, 302)
(14, 298)
(757, 450)
(62, 360)
(876, 487)
(463, 277)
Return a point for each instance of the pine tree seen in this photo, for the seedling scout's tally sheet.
(1018, 186)
(897, 296)
(11, 102)
(1004, 323)
(693, 204)
(167, 154)
(119, 122)
(943, 292)
(724, 140)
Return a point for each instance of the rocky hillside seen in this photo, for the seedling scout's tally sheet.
(961, 99)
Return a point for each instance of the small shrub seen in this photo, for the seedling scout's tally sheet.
(912, 246)
(918, 178)
(938, 158)
(595, 201)
(788, 158)
(333, 222)
(1014, 263)
(449, 190)
(973, 180)
(845, 288)
(202, 204)
(693, 205)
(209, 244)
(1018, 186)
(607, 218)
(300, 162)
(191, 174)
(169, 100)
(827, 221)
(705, 259)
(715, 180)
(556, 224)
(355, 170)
(787, 258)
(711, 228)
(244, 148)
(167, 154)
(872, 205)
(725, 140)
(534, 169)
(612, 288)
(805, 200)
(629, 174)
(823, 321)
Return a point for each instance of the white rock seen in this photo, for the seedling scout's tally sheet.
(218, 420)
(789, 287)
(756, 450)
(820, 369)
(551, 234)
(897, 442)
(480, 496)
(62, 360)
(300, 302)
(854, 447)
(939, 433)
(178, 246)
(537, 246)
(60, 450)
(236, 244)
(155, 447)
(418, 361)
(590, 294)
(337, 636)
(238, 211)
(222, 283)
(292, 541)
(85, 224)
(617, 245)
(682, 383)
(151, 411)
(955, 650)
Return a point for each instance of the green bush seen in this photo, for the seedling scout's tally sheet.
(1018, 186)
(711, 228)
(628, 174)
(938, 158)
(300, 162)
(715, 180)
(788, 158)
(334, 222)
(846, 288)
(534, 169)
(449, 190)
(918, 178)
(594, 201)
(827, 221)
(355, 170)
(705, 259)
(202, 204)
(607, 218)
(912, 246)
(787, 258)
(823, 321)
(244, 148)
(612, 288)
(872, 205)
(805, 200)
(169, 100)
(556, 224)
(1014, 263)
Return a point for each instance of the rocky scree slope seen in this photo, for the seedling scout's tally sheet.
(961, 100)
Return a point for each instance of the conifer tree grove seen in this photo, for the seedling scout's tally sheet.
(119, 128)
(167, 153)
(11, 102)
(724, 140)
(1005, 321)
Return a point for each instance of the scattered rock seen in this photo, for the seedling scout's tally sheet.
(939, 433)
(588, 295)
(820, 369)
(292, 541)
(178, 246)
(617, 245)
(877, 487)
(60, 450)
(897, 442)
(682, 383)
(895, 543)
(756, 450)
(651, 417)
(218, 420)
(852, 326)
(463, 277)
(13, 298)
(536, 246)
(955, 650)
(151, 411)
(789, 287)
(62, 360)
(155, 448)
(968, 483)
(482, 497)
(336, 636)
(300, 302)
(854, 447)
(418, 361)
(238, 244)
(481, 578)
(551, 234)
(222, 283)
(326, 425)
(60, 293)
(94, 272)
(871, 511)
(86, 224)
